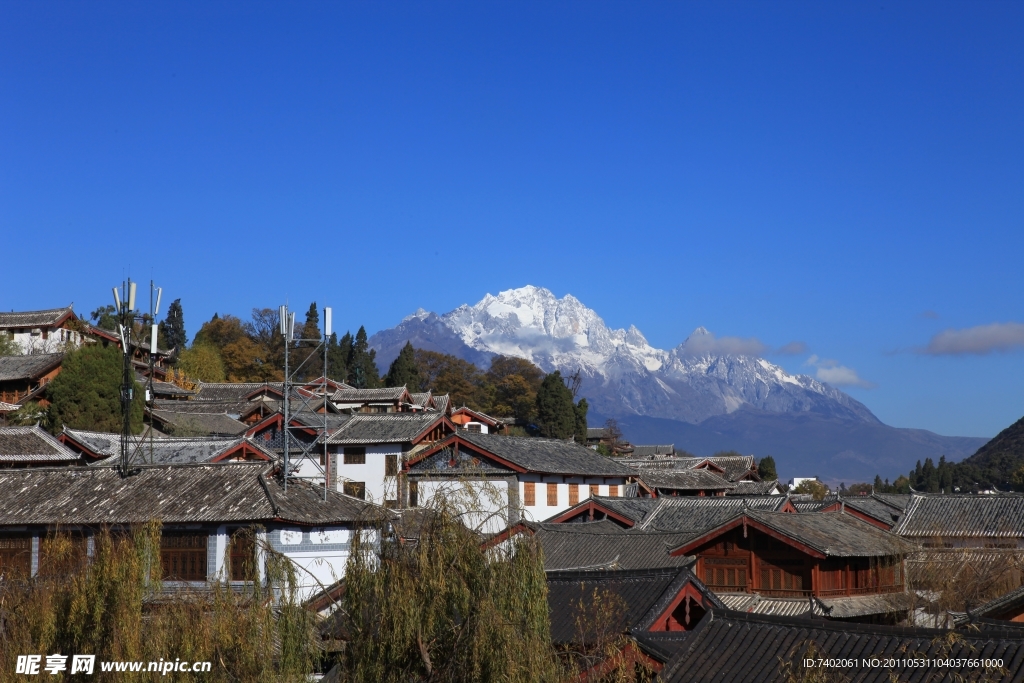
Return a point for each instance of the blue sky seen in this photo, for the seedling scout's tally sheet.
(845, 176)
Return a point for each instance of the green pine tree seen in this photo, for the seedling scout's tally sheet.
(555, 410)
(363, 367)
(87, 392)
(580, 410)
(172, 329)
(404, 371)
(337, 359)
(766, 469)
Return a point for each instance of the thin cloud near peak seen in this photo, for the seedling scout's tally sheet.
(831, 372)
(979, 340)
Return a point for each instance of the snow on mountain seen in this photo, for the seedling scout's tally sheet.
(623, 374)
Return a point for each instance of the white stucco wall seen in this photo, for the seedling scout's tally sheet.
(540, 510)
(378, 487)
(485, 503)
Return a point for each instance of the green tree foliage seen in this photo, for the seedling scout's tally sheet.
(362, 363)
(766, 468)
(404, 371)
(813, 487)
(258, 631)
(172, 329)
(443, 609)
(556, 413)
(105, 318)
(28, 414)
(461, 380)
(86, 393)
(306, 360)
(580, 410)
(202, 362)
(337, 358)
(248, 351)
(9, 347)
(516, 382)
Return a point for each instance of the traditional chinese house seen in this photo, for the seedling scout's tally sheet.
(669, 513)
(24, 378)
(33, 447)
(845, 564)
(42, 331)
(104, 448)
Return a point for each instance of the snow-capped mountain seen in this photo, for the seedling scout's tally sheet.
(623, 374)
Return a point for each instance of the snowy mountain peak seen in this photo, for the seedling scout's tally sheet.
(702, 377)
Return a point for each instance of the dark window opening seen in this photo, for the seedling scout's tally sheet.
(355, 456)
(356, 489)
(183, 556)
(391, 465)
(242, 555)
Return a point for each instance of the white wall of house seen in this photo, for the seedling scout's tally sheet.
(541, 510)
(484, 502)
(379, 488)
(45, 340)
(320, 554)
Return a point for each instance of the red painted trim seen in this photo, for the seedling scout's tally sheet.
(86, 451)
(751, 523)
(688, 589)
(432, 426)
(246, 450)
(458, 441)
(588, 506)
(506, 534)
(630, 654)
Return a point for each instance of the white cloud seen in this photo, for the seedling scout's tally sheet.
(708, 343)
(793, 348)
(978, 340)
(830, 371)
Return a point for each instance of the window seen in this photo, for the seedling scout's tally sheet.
(355, 455)
(391, 465)
(183, 556)
(242, 554)
(595, 490)
(473, 427)
(414, 494)
(613, 490)
(574, 494)
(529, 494)
(16, 556)
(552, 494)
(356, 489)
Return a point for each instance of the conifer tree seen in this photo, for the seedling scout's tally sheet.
(403, 370)
(311, 329)
(337, 359)
(555, 410)
(87, 392)
(766, 468)
(580, 409)
(173, 327)
(362, 366)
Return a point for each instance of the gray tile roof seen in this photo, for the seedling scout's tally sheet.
(963, 516)
(419, 399)
(651, 451)
(1014, 600)
(733, 647)
(754, 603)
(688, 513)
(605, 546)
(165, 450)
(597, 432)
(368, 395)
(754, 488)
(32, 444)
(685, 480)
(368, 428)
(644, 594)
(833, 534)
(14, 368)
(734, 466)
(896, 500)
(230, 391)
(441, 403)
(871, 505)
(212, 424)
(33, 318)
(175, 494)
(548, 456)
(195, 406)
(833, 608)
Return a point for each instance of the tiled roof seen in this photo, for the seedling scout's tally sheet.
(441, 403)
(196, 424)
(644, 594)
(685, 480)
(833, 534)
(1014, 600)
(419, 399)
(733, 647)
(833, 608)
(871, 506)
(229, 391)
(896, 500)
(368, 395)
(40, 319)
(13, 368)
(754, 488)
(661, 645)
(32, 444)
(651, 451)
(604, 545)
(548, 456)
(365, 428)
(173, 493)
(196, 406)
(597, 432)
(699, 513)
(165, 450)
(754, 603)
(963, 516)
(8, 407)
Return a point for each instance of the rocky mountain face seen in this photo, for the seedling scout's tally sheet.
(623, 374)
(697, 395)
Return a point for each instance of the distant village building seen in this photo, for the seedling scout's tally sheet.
(24, 378)
(33, 447)
(202, 508)
(49, 331)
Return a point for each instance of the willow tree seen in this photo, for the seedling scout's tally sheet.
(432, 605)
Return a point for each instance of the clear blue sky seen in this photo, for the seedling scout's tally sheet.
(847, 176)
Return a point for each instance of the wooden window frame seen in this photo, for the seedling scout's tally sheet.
(183, 556)
(355, 455)
(552, 494)
(529, 494)
(595, 490)
(391, 465)
(574, 494)
(241, 553)
(356, 489)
